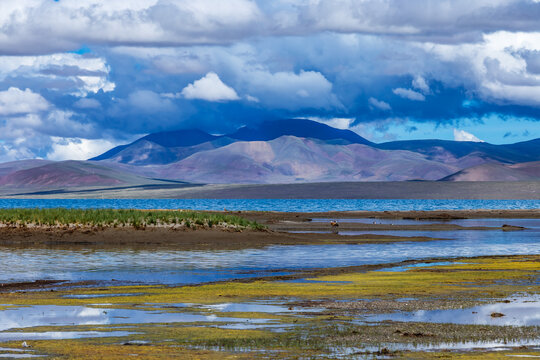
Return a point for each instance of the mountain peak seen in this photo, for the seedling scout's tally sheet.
(273, 129)
(180, 138)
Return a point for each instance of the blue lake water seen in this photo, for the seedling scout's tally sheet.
(286, 205)
(198, 266)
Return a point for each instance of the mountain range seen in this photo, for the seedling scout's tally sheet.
(282, 151)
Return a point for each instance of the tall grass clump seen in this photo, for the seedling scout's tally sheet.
(120, 217)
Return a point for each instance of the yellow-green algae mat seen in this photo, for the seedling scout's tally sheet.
(491, 278)
(477, 278)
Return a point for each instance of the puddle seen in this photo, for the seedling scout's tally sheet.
(469, 345)
(275, 328)
(249, 307)
(363, 352)
(46, 315)
(492, 222)
(93, 296)
(518, 312)
(309, 281)
(17, 353)
(11, 350)
(413, 266)
(59, 335)
(19, 356)
(259, 307)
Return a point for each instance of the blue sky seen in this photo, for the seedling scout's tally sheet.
(78, 77)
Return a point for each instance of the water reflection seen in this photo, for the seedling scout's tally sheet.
(187, 267)
(49, 315)
(492, 222)
(517, 312)
(58, 335)
(168, 266)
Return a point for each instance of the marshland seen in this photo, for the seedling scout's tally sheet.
(244, 284)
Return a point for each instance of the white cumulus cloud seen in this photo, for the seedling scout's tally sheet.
(462, 135)
(338, 123)
(77, 148)
(210, 88)
(16, 101)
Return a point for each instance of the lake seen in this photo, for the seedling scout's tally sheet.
(285, 205)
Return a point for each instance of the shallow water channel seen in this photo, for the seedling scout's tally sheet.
(167, 266)
(100, 314)
(516, 311)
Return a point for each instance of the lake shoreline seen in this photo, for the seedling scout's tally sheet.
(414, 215)
(435, 190)
(283, 229)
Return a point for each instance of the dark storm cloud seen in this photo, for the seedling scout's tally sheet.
(115, 70)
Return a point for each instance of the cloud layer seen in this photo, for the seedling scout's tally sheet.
(80, 75)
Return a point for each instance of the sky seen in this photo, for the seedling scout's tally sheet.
(78, 77)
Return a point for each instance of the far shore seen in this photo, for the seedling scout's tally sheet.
(262, 216)
(481, 190)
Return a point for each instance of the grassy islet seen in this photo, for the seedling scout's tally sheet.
(24, 217)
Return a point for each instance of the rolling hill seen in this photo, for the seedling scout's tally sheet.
(69, 174)
(529, 171)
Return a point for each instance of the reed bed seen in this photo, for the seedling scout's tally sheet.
(55, 217)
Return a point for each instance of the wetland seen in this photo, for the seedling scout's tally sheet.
(428, 284)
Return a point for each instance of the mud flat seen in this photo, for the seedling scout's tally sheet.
(209, 239)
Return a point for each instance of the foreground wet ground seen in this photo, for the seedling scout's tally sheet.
(467, 297)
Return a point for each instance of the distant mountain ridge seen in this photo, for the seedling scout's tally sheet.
(290, 159)
(511, 153)
(170, 146)
(282, 151)
(271, 130)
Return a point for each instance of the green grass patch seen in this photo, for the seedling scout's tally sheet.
(120, 217)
